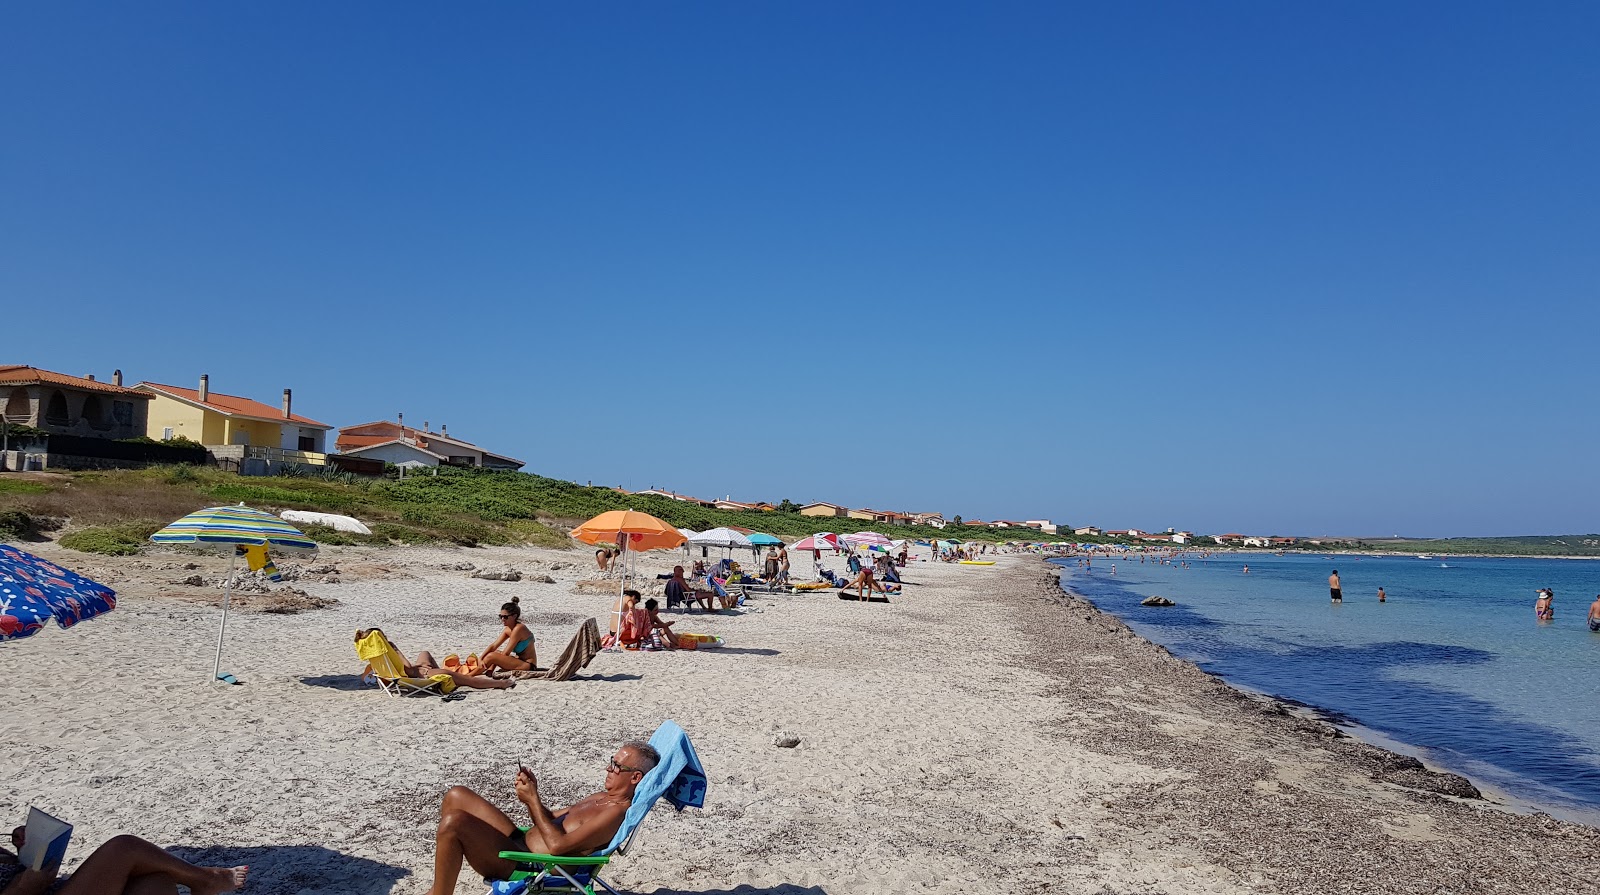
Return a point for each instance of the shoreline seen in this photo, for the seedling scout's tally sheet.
(985, 725)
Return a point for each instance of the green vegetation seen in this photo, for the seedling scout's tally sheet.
(1521, 545)
(22, 486)
(16, 525)
(111, 540)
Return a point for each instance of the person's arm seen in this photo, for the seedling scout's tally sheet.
(578, 836)
(496, 645)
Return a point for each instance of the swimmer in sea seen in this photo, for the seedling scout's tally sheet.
(1594, 614)
(1247, 570)
(1382, 597)
(1544, 608)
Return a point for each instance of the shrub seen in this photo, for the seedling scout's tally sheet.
(182, 441)
(111, 540)
(16, 525)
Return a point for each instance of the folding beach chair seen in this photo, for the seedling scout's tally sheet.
(679, 777)
(390, 669)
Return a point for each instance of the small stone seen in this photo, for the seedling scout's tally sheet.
(786, 740)
(195, 581)
(544, 579)
(1156, 601)
(458, 567)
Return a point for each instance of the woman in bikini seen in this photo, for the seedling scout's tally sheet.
(427, 666)
(518, 654)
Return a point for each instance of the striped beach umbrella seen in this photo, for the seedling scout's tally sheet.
(229, 528)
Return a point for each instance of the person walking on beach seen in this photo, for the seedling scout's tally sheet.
(1594, 614)
(1333, 587)
(1382, 597)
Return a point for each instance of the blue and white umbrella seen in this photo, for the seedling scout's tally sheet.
(34, 590)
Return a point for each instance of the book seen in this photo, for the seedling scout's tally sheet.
(46, 840)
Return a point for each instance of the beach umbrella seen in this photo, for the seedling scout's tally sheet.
(864, 539)
(720, 537)
(822, 540)
(34, 590)
(761, 539)
(230, 528)
(644, 531)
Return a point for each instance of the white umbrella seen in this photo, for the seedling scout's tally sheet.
(720, 537)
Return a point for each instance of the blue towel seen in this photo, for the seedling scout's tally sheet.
(679, 779)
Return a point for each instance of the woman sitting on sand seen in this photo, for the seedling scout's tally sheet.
(636, 624)
(125, 865)
(517, 639)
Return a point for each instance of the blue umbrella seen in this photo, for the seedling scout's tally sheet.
(762, 540)
(34, 590)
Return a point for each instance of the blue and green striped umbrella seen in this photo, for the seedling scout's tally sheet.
(233, 526)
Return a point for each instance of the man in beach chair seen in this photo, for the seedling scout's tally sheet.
(570, 848)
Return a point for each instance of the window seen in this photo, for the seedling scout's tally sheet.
(19, 409)
(122, 413)
(308, 444)
(94, 412)
(166, 434)
(55, 412)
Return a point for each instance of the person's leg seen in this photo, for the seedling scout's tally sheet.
(124, 859)
(471, 828)
(505, 661)
(425, 660)
(477, 683)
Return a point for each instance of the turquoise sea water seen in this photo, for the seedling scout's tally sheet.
(1454, 664)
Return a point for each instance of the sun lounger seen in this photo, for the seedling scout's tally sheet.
(679, 778)
(390, 669)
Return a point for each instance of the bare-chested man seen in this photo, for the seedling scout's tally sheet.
(1333, 587)
(472, 828)
(1594, 614)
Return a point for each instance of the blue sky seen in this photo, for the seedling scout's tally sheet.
(1237, 266)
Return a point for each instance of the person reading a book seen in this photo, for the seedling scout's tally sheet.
(124, 865)
(473, 829)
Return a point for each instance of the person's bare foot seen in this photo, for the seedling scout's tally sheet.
(224, 879)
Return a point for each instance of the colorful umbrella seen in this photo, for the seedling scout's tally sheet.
(822, 540)
(864, 539)
(231, 528)
(761, 539)
(34, 590)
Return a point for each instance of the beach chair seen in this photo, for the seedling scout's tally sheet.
(390, 669)
(679, 778)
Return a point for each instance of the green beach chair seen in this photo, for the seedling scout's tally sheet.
(679, 778)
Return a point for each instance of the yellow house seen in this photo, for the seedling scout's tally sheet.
(824, 509)
(215, 419)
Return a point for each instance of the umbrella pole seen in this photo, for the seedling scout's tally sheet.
(227, 593)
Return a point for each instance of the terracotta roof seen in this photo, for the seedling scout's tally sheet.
(232, 405)
(20, 374)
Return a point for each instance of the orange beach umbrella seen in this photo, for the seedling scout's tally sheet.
(644, 531)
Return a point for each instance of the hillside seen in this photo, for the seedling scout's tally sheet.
(113, 511)
(1519, 545)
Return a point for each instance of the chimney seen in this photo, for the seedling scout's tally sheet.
(205, 388)
(116, 377)
(424, 425)
(444, 430)
(90, 377)
(288, 398)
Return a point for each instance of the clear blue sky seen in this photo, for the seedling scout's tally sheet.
(1237, 266)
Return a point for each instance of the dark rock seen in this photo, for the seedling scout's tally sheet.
(786, 740)
(1156, 601)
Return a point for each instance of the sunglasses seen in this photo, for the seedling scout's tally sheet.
(614, 768)
(503, 615)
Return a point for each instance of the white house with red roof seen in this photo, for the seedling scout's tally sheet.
(394, 442)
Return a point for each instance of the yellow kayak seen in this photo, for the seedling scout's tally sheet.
(975, 562)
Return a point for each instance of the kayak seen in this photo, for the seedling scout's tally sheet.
(976, 562)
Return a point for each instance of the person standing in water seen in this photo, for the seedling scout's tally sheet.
(1594, 614)
(1333, 587)
(1544, 608)
(1382, 597)
(1247, 570)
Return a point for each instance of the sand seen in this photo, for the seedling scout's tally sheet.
(984, 731)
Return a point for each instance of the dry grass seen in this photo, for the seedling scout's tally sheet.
(96, 499)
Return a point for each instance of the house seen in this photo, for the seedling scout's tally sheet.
(673, 495)
(935, 520)
(1256, 542)
(860, 514)
(1123, 532)
(1044, 525)
(1283, 542)
(824, 509)
(1229, 538)
(395, 442)
(976, 523)
(1087, 530)
(72, 405)
(1181, 537)
(217, 420)
(886, 516)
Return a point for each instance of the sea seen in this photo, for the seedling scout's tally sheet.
(1453, 668)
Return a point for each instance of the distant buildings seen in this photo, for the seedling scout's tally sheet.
(824, 509)
(72, 405)
(394, 442)
(217, 420)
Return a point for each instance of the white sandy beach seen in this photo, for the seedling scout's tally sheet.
(983, 732)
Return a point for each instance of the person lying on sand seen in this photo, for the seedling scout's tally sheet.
(426, 666)
(519, 654)
(474, 830)
(124, 865)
